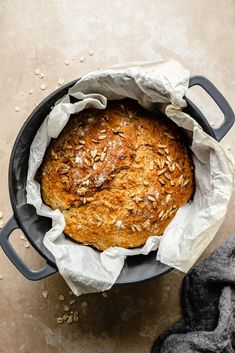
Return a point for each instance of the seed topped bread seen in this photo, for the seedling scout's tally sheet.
(118, 175)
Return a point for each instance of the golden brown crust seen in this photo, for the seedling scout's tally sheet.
(118, 175)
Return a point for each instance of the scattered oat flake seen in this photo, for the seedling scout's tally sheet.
(102, 157)
(17, 109)
(87, 162)
(22, 237)
(154, 204)
(167, 176)
(59, 320)
(72, 302)
(163, 181)
(162, 171)
(41, 75)
(133, 228)
(169, 135)
(98, 218)
(43, 87)
(104, 294)
(138, 199)
(61, 297)
(84, 304)
(91, 52)
(151, 165)
(121, 134)
(102, 137)
(168, 197)
(65, 317)
(185, 182)
(82, 58)
(180, 179)
(26, 244)
(1, 215)
(75, 318)
(45, 294)
(31, 91)
(66, 308)
(152, 199)
(61, 81)
(37, 72)
(93, 153)
(161, 152)
(146, 224)
(66, 62)
(70, 319)
(169, 159)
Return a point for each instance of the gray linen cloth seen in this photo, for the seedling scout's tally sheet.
(208, 303)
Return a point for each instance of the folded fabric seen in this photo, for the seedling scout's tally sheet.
(208, 300)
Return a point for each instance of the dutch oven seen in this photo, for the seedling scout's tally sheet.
(137, 268)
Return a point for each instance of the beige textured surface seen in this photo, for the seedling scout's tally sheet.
(43, 34)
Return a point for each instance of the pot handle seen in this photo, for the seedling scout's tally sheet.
(32, 275)
(219, 99)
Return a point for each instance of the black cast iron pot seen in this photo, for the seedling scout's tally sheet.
(137, 268)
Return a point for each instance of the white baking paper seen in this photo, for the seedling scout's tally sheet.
(195, 224)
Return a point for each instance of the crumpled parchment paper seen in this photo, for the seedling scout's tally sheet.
(195, 224)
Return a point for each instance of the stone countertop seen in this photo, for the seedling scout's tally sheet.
(54, 37)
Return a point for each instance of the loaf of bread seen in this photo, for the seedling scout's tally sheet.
(118, 175)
